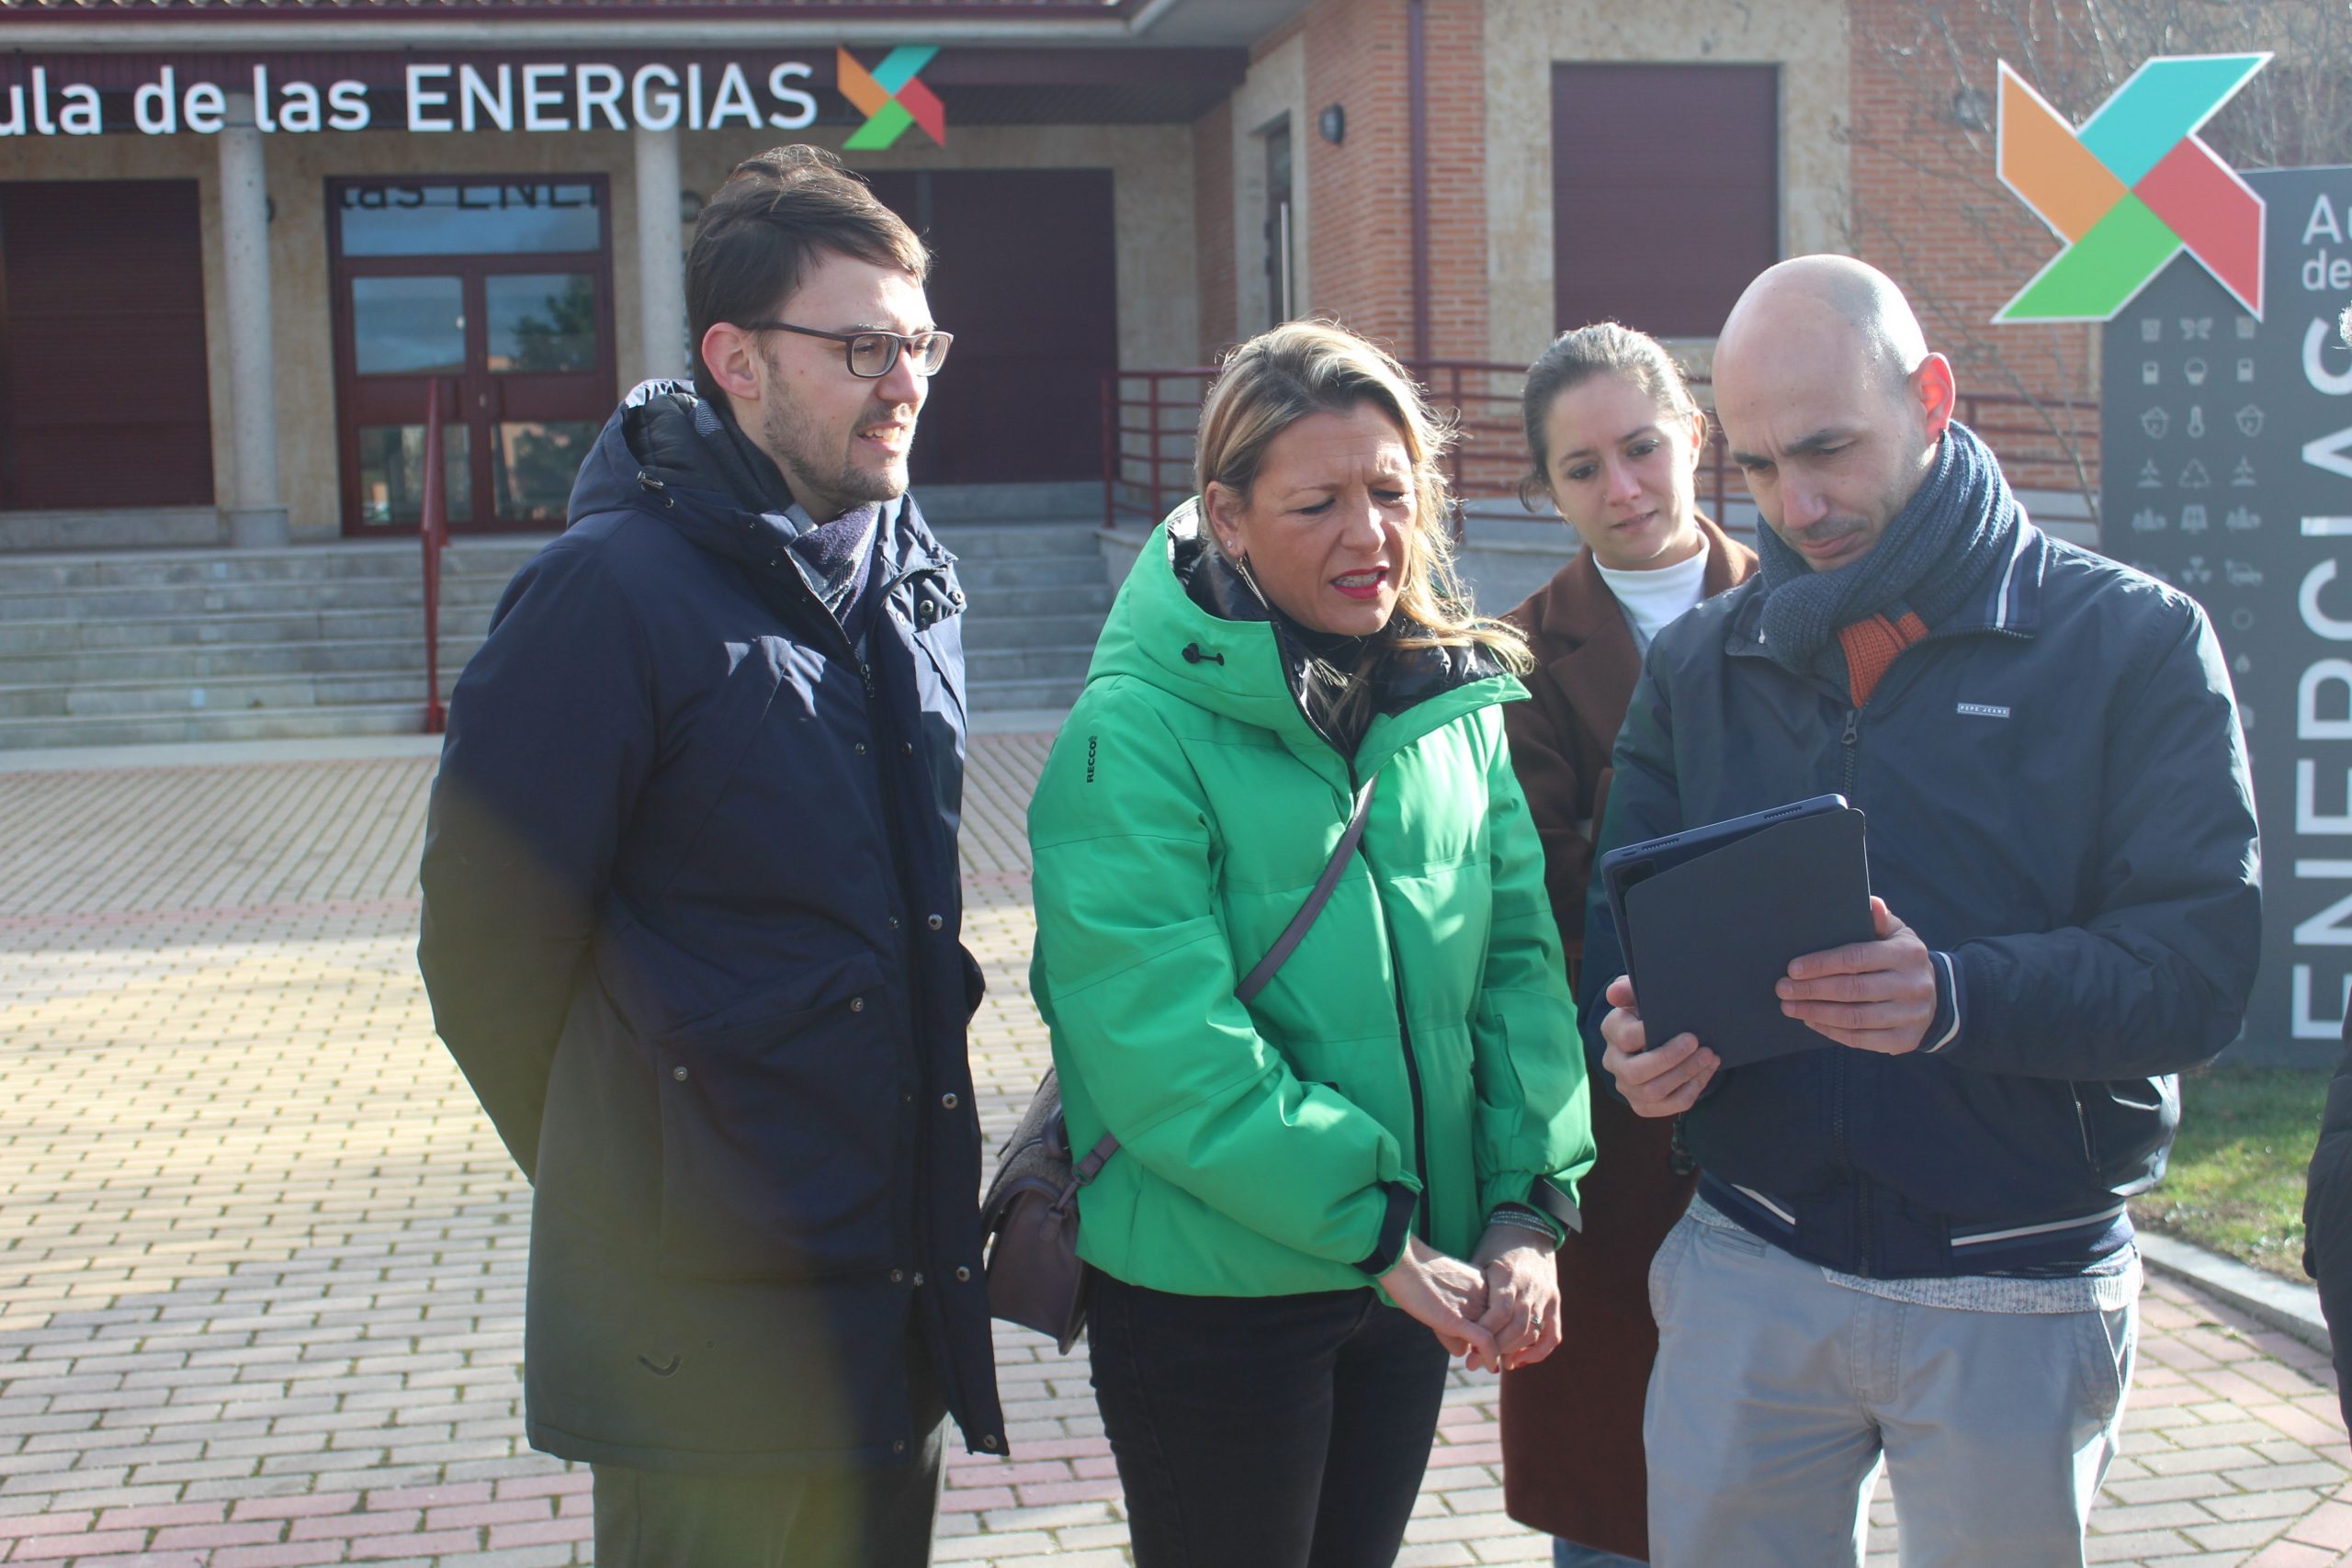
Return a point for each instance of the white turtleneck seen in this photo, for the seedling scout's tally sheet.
(1652, 598)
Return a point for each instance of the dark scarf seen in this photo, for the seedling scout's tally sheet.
(837, 559)
(1962, 519)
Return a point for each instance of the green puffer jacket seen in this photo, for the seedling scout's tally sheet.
(1421, 1041)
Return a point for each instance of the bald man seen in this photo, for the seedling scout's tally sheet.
(1910, 1245)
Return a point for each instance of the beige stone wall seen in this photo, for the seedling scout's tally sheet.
(1151, 165)
(1807, 39)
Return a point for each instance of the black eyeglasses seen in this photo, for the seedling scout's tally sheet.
(870, 355)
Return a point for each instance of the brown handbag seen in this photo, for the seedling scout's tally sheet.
(1029, 1218)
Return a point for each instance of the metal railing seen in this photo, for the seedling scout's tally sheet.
(1151, 417)
(433, 531)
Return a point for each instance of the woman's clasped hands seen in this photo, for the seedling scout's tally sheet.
(1499, 1312)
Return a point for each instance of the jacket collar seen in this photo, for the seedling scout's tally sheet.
(2006, 599)
(1241, 666)
(651, 459)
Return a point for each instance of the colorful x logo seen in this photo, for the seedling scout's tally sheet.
(890, 98)
(2132, 188)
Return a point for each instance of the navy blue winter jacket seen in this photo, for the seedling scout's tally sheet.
(2059, 806)
(691, 928)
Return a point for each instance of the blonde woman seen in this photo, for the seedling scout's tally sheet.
(1319, 1194)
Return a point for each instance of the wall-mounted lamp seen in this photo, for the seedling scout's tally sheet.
(1972, 110)
(1334, 123)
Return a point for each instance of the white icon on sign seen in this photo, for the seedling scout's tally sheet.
(2149, 479)
(2250, 420)
(2150, 372)
(2196, 421)
(2195, 370)
(2242, 477)
(2194, 477)
(2241, 574)
(2241, 520)
(2195, 571)
(2195, 329)
(2242, 664)
(2193, 517)
(2245, 326)
(2241, 618)
(2245, 369)
(2152, 329)
(2155, 421)
(2148, 520)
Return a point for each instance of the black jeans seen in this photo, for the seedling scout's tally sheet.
(1264, 1432)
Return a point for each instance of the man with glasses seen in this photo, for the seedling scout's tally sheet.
(692, 913)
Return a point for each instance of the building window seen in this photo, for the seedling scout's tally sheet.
(1281, 271)
(1666, 192)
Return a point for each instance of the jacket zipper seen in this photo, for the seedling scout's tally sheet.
(1851, 741)
(1404, 1029)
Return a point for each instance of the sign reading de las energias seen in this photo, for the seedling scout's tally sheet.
(462, 97)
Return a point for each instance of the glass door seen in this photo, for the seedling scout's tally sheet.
(500, 289)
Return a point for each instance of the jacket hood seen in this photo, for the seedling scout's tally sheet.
(1186, 622)
(666, 453)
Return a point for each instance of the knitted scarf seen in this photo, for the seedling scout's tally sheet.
(1961, 521)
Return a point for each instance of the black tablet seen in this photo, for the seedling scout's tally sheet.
(1623, 867)
(1710, 920)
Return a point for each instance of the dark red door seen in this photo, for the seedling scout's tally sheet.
(1666, 192)
(500, 289)
(104, 393)
(1025, 276)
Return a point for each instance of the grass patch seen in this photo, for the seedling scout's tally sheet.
(2235, 1183)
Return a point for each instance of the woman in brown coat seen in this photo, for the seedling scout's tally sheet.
(1616, 438)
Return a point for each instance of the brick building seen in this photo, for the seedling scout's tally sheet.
(293, 216)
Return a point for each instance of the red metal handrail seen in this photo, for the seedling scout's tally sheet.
(1149, 416)
(432, 530)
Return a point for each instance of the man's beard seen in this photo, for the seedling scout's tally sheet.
(818, 475)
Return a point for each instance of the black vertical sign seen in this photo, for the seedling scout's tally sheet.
(2226, 470)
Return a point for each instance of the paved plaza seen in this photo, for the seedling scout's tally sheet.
(261, 1257)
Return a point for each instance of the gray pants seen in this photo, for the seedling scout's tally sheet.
(1778, 1394)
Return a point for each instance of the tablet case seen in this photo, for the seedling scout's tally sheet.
(1708, 940)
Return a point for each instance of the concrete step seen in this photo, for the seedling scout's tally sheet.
(995, 667)
(974, 542)
(1034, 631)
(149, 569)
(132, 528)
(998, 602)
(231, 693)
(1039, 571)
(1000, 696)
(952, 506)
(192, 600)
(261, 724)
(51, 637)
(222, 662)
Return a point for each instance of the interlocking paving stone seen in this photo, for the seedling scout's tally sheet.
(261, 1257)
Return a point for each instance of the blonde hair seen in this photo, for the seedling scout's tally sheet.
(1299, 368)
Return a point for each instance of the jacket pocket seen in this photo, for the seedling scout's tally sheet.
(780, 1133)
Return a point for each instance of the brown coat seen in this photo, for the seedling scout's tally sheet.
(1572, 1425)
